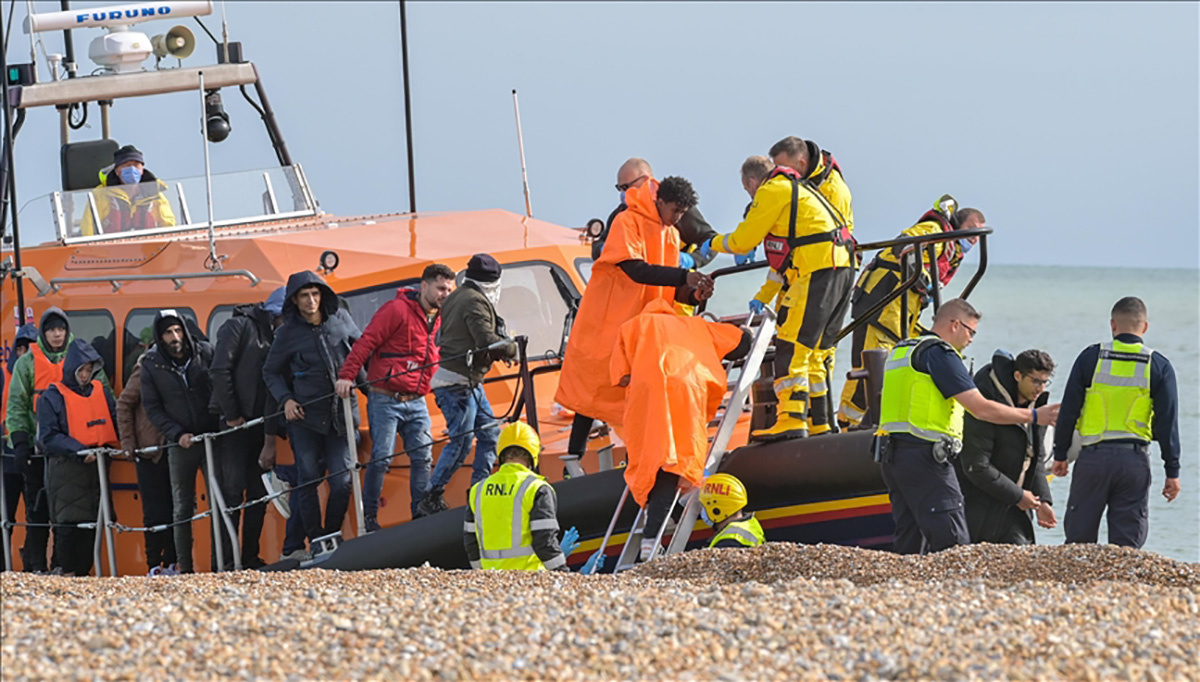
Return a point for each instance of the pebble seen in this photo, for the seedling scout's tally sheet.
(777, 612)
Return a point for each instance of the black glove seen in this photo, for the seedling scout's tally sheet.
(23, 451)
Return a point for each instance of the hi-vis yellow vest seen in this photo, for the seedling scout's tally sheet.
(748, 532)
(501, 505)
(1117, 404)
(911, 402)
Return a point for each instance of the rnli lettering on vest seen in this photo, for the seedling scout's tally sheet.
(499, 489)
(125, 14)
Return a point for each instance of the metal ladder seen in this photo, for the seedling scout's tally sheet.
(716, 451)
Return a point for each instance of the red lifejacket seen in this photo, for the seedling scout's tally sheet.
(952, 255)
(129, 216)
(45, 372)
(88, 418)
(779, 249)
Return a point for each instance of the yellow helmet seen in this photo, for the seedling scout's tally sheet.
(523, 436)
(722, 496)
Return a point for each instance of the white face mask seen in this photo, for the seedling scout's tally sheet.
(489, 289)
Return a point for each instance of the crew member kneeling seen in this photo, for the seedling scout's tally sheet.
(723, 500)
(514, 493)
(75, 414)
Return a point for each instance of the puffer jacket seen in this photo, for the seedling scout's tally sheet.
(992, 459)
(72, 486)
(176, 396)
(135, 427)
(238, 357)
(304, 360)
(397, 346)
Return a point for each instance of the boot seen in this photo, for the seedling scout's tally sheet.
(786, 426)
(433, 502)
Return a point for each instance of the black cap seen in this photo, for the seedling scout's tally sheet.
(127, 153)
(483, 268)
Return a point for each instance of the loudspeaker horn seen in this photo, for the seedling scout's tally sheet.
(178, 42)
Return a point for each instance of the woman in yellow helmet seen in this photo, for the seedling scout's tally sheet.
(723, 501)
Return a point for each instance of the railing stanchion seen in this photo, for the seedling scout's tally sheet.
(214, 488)
(6, 529)
(355, 481)
(105, 516)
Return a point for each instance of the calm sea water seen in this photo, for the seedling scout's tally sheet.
(1062, 310)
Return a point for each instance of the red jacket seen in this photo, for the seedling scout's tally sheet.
(398, 341)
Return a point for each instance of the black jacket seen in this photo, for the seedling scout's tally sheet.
(304, 360)
(175, 396)
(992, 459)
(72, 486)
(238, 389)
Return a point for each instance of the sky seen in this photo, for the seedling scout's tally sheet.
(1072, 126)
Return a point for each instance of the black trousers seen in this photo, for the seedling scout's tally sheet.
(75, 549)
(581, 426)
(1115, 476)
(241, 481)
(154, 487)
(37, 540)
(927, 504)
(658, 503)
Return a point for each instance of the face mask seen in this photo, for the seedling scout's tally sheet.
(131, 175)
(965, 244)
(705, 517)
(622, 197)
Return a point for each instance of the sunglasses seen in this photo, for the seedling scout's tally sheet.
(625, 186)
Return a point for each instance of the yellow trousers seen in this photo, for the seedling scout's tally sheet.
(880, 333)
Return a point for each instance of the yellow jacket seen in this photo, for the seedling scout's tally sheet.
(139, 211)
(769, 215)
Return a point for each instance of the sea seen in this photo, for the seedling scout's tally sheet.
(1062, 310)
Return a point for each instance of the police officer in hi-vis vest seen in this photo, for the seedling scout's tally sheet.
(722, 501)
(515, 495)
(925, 388)
(1119, 397)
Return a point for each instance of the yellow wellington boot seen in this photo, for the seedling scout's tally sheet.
(786, 426)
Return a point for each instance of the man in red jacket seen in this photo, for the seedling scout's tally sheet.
(400, 345)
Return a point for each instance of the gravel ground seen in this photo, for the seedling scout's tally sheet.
(777, 612)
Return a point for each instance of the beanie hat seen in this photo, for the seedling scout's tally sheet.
(127, 153)
(54, 322)
(274, 302)
(483, 268)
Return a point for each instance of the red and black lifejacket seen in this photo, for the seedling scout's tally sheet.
(947, 263)
(124, 216)
(779, 249)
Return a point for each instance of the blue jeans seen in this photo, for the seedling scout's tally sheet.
(316, 454)
(293, 538)
(386, 416)
(466, 410)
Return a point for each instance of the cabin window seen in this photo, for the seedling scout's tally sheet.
(364, 303)
(139, 335)
(584, 266)
(97, 328)
(534, 301)
(218, 317)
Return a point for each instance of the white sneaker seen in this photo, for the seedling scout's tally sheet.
(649, 547)
(274, 485)
(300, 555)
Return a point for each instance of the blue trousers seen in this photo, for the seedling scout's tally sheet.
(1115, 476)
(468, 418)
(317, 454)
(387, 417)
(927, 504)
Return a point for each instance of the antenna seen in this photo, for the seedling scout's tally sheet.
(521, 146)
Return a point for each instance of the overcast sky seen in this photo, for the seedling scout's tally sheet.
(1073, 126)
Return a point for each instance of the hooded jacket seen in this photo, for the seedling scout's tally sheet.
(133, 424)
(992, 460)
(176, 396)
(397, 346)
(72, 486)
(19, 417)
(241, 350)
(28, 333)
(304, 360)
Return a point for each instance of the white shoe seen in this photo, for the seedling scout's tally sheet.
(300, 555)
(274, 485)
(649, 548)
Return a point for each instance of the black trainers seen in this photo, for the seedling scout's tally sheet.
(371, 524)
(432, 503)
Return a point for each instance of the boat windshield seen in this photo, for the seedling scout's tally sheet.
(167, 206)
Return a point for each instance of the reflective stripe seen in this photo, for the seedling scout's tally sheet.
(477, 510)
(518, 518)
(741, 533)
(511, 553)
(817, 388)
(905, 427)
(773, 276)
(1111, 435)
(468, 526)
(544, 524)
(557, 561)
(790, 382)
(476, 565)
(851, 412)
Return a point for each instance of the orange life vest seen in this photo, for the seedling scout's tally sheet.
(45, 372)
(88, 419)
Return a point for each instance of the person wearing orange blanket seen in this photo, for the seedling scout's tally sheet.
(672, 368)
(639, 264)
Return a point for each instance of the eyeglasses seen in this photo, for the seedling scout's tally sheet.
(968, 328)
(624, 187)
(1038, 383)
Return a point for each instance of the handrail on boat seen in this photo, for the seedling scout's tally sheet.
(117, 281)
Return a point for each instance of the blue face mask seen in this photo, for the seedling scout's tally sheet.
(965, 244)
(622, 197)
(131, 175)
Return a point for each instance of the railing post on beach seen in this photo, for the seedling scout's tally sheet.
(105, 516)
(6, 529)
(216, 505)
(355, 481)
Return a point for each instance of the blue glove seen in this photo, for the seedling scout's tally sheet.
(705, 252)
(594, 563)
(745, 258)
(757, 307)
(686, 261)
(570, 541)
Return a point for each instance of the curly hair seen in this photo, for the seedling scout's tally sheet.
(1034, 361)
(678, 191)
